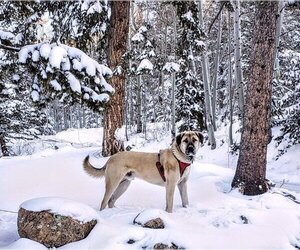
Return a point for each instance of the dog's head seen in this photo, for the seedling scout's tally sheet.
(189, 142)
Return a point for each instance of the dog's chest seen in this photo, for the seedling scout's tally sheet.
(185, 174)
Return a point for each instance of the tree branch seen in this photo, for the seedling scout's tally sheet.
(3, 46)
(216, 17)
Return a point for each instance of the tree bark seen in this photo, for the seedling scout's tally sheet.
(216, 69)
(280, 14)
(118, 39)
(173, 77)
(139, 123)
(238, 57)
(207, 91)
(3, 147)
(230, 95)
(250, 174)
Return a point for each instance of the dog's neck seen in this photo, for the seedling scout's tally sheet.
(179, 155)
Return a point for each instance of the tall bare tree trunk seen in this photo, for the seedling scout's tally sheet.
(173, 75)
(280, 14)
(207, 91)
(118, 39)
(3, 146)
(238, 57)
(216, 69)
(139, 122)
(250, 174)
(230, 95)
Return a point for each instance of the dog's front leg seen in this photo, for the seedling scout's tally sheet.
(170, 189)
(183, 192)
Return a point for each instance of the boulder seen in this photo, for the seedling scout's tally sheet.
(52, 229)
(152, 218)
(164, 246)
(156, 223)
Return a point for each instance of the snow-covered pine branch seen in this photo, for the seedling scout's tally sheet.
(66, 73)
(171, 67)
(8, 40)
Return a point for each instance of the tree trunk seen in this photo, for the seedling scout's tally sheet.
(250, 174)
(216, 69)
(207, 96)
(173, 114)
(230, 95)
(280, 14)
(238, 57)
(139, 123)
(118, 38)
(173, 76)
(3, 146)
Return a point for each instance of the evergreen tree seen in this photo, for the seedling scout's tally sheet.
(286, 105)
(76, 23)
(189, 96)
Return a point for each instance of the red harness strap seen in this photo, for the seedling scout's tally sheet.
(160, 168)
(183, 166)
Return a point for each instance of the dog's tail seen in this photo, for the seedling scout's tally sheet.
(91, 170)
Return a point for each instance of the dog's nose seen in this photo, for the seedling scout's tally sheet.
(190, 149)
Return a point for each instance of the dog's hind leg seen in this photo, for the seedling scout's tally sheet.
(111, 184)
(119, 191)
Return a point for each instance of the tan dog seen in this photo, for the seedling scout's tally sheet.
(169, 168)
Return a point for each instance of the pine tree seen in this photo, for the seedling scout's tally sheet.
(286, 93)
(30, 27)
(189, 96)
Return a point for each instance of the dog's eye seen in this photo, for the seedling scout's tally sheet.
(194, 140)
(186, 141)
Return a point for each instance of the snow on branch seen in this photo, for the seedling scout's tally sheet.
(66, 73)
(170, 67)
(8, 38)
(145, 66)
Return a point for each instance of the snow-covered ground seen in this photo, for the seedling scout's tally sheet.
(216, 218)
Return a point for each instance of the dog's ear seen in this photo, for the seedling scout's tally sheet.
(200, 136)
(178, 138)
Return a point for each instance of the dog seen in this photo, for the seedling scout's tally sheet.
(169, 167)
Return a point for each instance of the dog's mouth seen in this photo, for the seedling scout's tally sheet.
(190, 151)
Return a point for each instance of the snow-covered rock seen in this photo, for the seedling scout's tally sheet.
(55, 222)
(153, 218)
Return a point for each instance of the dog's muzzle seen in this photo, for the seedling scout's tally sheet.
(190, 150)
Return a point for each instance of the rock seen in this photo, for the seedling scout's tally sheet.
(155, 223)
(164, 246)
(52, 229)
(153, 218)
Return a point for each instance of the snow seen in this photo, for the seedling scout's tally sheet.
(150, 214)
(138, 37)
(217, 217)
(91, 7)
(61, 206)
(189, 16)
(6, 35)
(54, 83)
(171, 67)
(45, 50)
(64, 58)
(145, 64)
(56, 56)
(74, 83)
(35, 56)
(35, 95)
